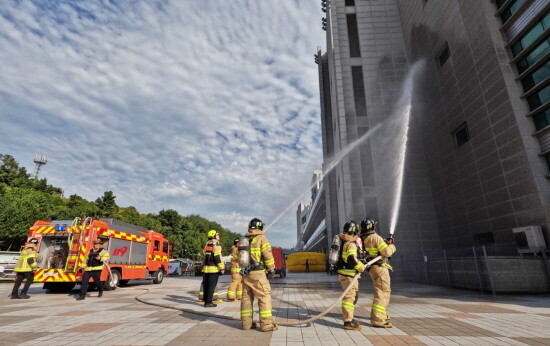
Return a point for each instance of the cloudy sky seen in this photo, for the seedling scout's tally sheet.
(207, 107)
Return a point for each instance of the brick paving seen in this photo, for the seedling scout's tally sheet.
(422, 315)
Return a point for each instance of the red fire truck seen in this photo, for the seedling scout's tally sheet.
(280, 263)
(136, 253)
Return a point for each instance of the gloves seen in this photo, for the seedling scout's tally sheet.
(389, 240)
(244, 271)
(270, 274)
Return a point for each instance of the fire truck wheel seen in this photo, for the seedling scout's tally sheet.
(158, 276)
(113, 282)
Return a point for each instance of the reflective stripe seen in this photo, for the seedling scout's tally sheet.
(217, 253)
(349, 272)
(246, 313)
(239, 293)
(382, 246)
(265, 246)
(358, 265)
(378, 308)
(235, 270)
(269, 262)
(210, 269)
(266, 313)
(89, 269)
(220, 265)
(348, 305)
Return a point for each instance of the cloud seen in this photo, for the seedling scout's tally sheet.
(208, 107)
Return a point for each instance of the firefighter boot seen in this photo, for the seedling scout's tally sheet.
(23, 296)
(210, 305)
(100, 294)
(352, 325)
(81, 297)
(385, 325)
(15, 297)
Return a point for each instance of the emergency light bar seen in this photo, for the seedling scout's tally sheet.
(60, 228)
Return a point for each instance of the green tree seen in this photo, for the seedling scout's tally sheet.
(107, 205)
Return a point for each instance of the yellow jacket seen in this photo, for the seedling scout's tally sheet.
(27, 259)
(212, 257)
(235, 267)
(260, 249)
(376, 245)
(349, 256)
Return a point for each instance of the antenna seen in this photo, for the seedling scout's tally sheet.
(39, 160)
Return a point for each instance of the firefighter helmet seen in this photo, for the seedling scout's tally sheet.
(256, 224)
(368, 225)
(351, 228)
(236, 241)
(98, 241)
(212, 234)
(33, 241)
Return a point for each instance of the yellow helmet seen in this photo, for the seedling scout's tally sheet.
(212, 233)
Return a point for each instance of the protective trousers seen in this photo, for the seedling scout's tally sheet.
(94, 274)
(255, 284)
(19, 279)
(381, 281)
(348, 303)
(209, 282)
(235, 287)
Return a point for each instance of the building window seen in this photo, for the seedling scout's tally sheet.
(461, 135)
(547, 157)
(531, 35)
(350, 2)
(538, 99)
(536, 76)
(509, 12)
(304, 218)
(536, 54)
(444, 55)
(542, 119)
(359, 91)
(353, 36)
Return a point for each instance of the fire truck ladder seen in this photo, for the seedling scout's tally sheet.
(75, 243)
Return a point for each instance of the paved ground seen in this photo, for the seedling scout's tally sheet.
(421, 315)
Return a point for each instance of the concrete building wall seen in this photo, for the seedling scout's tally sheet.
(493, 182)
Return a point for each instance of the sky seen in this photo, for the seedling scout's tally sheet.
(208, 107)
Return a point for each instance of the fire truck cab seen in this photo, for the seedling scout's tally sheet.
(64, 245)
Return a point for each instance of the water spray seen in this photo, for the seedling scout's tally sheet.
(329, 167)
(406, 99)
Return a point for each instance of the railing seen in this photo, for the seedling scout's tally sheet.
(488, 268)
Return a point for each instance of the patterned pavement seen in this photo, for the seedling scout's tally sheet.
(422, 315)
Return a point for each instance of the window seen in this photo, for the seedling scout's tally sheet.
(359, 91)
(304, 219)
(157, 245)
(538, 99)
(353, 36)
(531, 35)
(485, 238)
(538, 52)
(461, 135)
(165, 247)
(547, 157)
(536, 77)
(500, 3)
(444, 55)
(542, 119)
(350, 2)
(509, 12)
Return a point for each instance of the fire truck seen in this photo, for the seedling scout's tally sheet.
(136, 253)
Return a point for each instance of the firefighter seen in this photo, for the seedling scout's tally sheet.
(235, 290)
(25, 268)
(212, 267)
(255, 283)
(348, 266)
(375, 246)
(93, 268)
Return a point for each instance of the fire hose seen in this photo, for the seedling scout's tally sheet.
(297, 323)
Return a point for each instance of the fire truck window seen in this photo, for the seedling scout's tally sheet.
(157, 245)
(165, 247)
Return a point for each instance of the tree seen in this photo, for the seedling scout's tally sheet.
(107, 205)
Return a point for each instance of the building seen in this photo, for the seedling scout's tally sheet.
(312, 230)
(478, 152)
